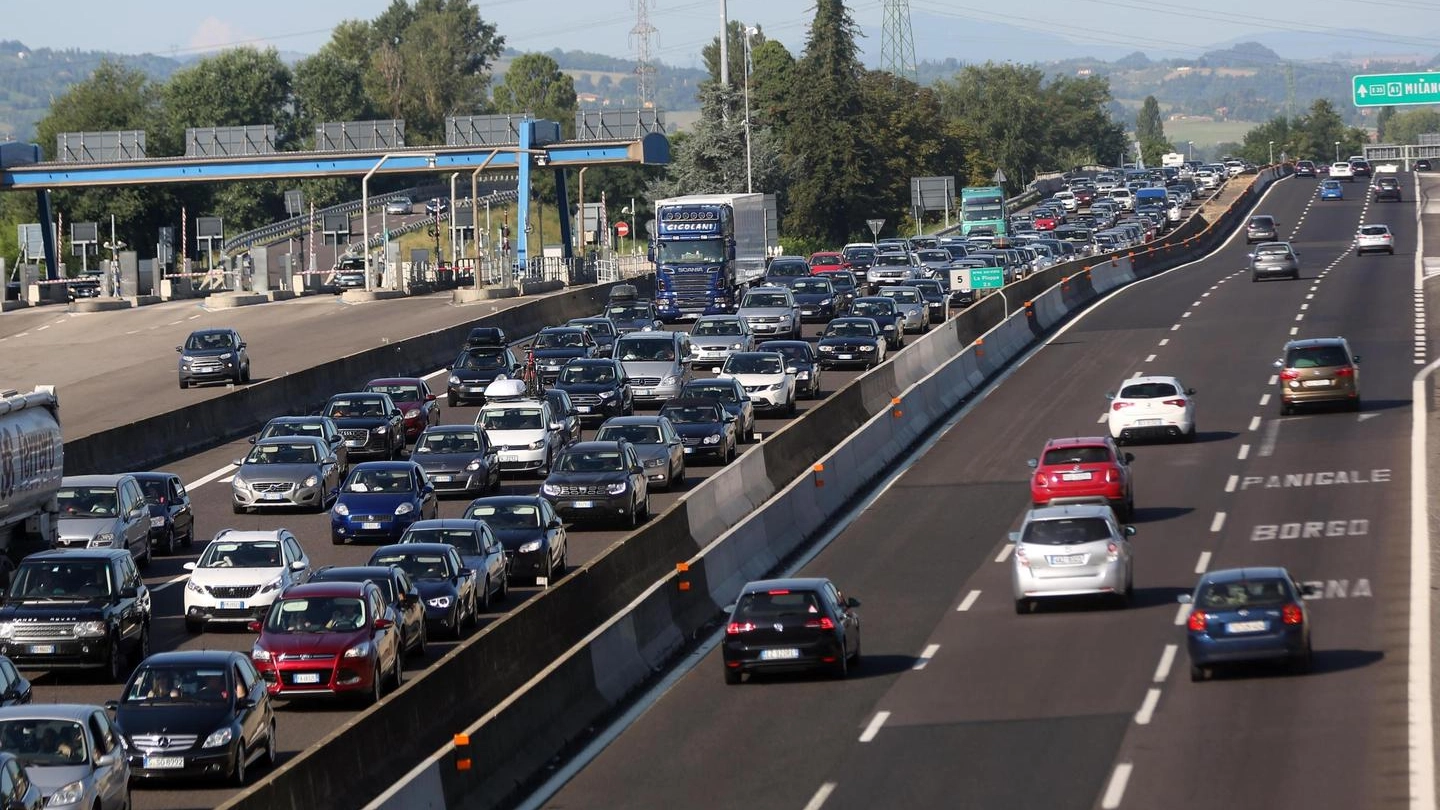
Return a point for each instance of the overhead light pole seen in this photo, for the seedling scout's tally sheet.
(1337, 151)
(365, 203)
(749, 167)
(1272, 153)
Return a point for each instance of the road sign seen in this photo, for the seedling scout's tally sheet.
(622, 229)
(999, 177)
(875, 226)
(1391, 89)
(987, 278)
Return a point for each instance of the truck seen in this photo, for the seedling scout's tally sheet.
(707, 249)
(1172, 160)
(983, 211)
(32, 462)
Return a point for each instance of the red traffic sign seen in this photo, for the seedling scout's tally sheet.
(622, 229)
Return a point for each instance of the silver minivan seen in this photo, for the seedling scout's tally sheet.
(657, 364)
(72, 752)
(104, 511)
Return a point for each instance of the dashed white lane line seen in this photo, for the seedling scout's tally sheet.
(1232, 482)
(874, 728)
(227, 479)
(1274, 378)
(1167, 660)
(1304, 307)
(1150, 358)
(1264, 400)
(969, 600)
(818, 800)
(1004, 553)
(167, 583)
(1244, 452)
(1300, 317)
(1147, 708)
(1186, 315)
(192, 317)
(1294, 330)
(1202, 563)
(1164, 341)
(42, 328)
(925, 657)
(211, 477)
(1182, 613)
(1115, 791)
(1218, 522)
(1175, 328)
(1254, 423)
(1102, 419)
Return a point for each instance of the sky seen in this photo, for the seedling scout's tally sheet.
(184, 27)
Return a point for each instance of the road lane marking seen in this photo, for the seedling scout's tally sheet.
(43, 328)
(432, 375)
(1218, 523)
(1304, 307)
(1264, 400)
(1182, 613)
(1244, 452)
(1231, 483)
(1203, 563)
(1186, 314)
(1164, 341)
(1004, 552)
(1175, 328)
(1147, 708)
(1167, 660)
(1254, 423)
(1115, 791)
(1300, 317)
(969, 600)
(227, 479)
(818, 800)
(167, 583)
(874, 728)
(211, 477)
(1102, 419)
(1294, 330)
(925, 657)
(192, 317)
(1274, 379)
(1150, 359)
(1272, 434)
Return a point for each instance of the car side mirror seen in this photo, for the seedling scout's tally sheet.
(397, 412)
(1129, 531)
(1355, 359)
(189, 566)
(129, 593)
(1014, 537)
(383, 624)
(254, 439)
(179, 348)
(1183, 598)
(298, 565)
(1278, 364)
(109, 760)
(557, 425)
(1189, 392)
(636, 468)
(1129, 457)
(449, 368)
(852, 602)
(112, 705)
(555, 524)
(791, 370)
(1032, 463)
(429, 397)
(336, 439)
(1110, 395)
(254, 627)
(714, 369)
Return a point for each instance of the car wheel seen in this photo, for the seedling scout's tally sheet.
(170, 541)
(143, 560)
(270, 757)
(397, 678)
(732, 676)
(1022, 606)
(1254, 278)
(192, 626)
(504, 594)
(790, 406)
(1199, 673)
(1391, 251)
(189, 537)
(237, 508)
(544, 469)
(841, 669)
(645, 508)
(451, 400)
(634, 519)
(855, 656)
(115, 667)
(677, 481)
(377, 686)
(184, 385)
(485, 596)
(238, 776)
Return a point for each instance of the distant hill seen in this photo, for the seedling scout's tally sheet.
(29, 79)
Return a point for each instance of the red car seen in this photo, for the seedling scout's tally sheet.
(414, 398)
(326, 639)
(825, 261)
(1089, 469)
(1046, 222)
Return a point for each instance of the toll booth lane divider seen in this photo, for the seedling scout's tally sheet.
(539, 681)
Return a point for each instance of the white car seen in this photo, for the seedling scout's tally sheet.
(767, 379)
(1376, 238)
(1151, 408)
(1207, 179)
(1124, 197)
(523, 432)
(1341, 171)
(239, 575)
(1067, 200)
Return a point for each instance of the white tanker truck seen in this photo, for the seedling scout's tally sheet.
(32, 461)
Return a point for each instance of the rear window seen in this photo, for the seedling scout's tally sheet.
(1070, 532)
(1149, 390)
(777, 605)
(1252, 593)
(1374, 230)
(1316, 357)
(1272, 250)
(1261, 222)
(1091, 454)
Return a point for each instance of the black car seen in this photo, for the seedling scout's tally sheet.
(799, 355)
(845, 286)
(213, 355)
(458, 459)
(859, 258)
(936, 295)
(785, 269)
(816, 297)
(885, 313)
(633, 316)
(1422, 165)
(370, 423)
(779, 625)
(1386, 188)
(1305, 168)
(562, 409)
(602, 331)
(172, 517)
(555, 346)
(474, 368)
(532, 534)
(86, 286)
(322, 427)
(402, 598)
(1361, 168)
(486, 336)
(196, 713)
(54, 592)
(446, 586)
(596, 481)
(706, 429)
(732, 397)
(852, 341)
(599, 388)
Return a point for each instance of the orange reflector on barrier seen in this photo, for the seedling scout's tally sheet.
(682, 567)
(894, 400)
(819, 467)
(684, 586)
(462, 764)
(462, 739)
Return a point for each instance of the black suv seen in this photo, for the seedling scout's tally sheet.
(213, 355)
(596, 481)
(598, 387)
(77, 609)
(1386, 188)
(474, 368)
(370, 422)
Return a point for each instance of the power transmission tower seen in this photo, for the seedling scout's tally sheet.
(897, 41)
(640, 39)
(1289, 89)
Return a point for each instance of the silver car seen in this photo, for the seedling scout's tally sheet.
(771, 311)
(912, 307)
(104, 511)
(660, 448)
(1073, 550)
(714, 337)
(72, 752)
(1274, 259)
(655, 363)
(290, 471)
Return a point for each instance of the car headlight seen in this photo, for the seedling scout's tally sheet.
(404, 509)
(649, 327)
(713, 438)
(654, 462)
(219, 737)
(669, 379)
(194, 587)
(617, 489)
(440, 602)
(157, 522)
(867, 348)
(341, 509)
(382, 430)
(827, 348)
(102, 539)
(890, 327)
(361, 650)
(454, 380)
(311, 481)
(550, 489)
(535, 445)
(737, 346)
(606, 394)
(258, 653)
(239, 483)
(413, 413)
(90, 629)
(272, 585)
(473, 465)
(185, 358)
(803, 375)
(533, 545)
(69, 794)
(825, 302)
(499, 377)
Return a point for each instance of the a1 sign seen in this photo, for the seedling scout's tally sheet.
(622, 229)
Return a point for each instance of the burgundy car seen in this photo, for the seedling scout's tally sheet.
(414, 398)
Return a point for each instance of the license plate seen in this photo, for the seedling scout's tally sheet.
(847, 357)
(1246, 627)
(1075, 476)
(509, 458)
(354, 443)
(42, 649)
(582, 408)
(1068, 559)
(642, 392)
(440, 478)
(272, 496)
(158, 763)
(1316, 383)
(369, 525)
(689, 449)
(779, 655)
(307, 677)
(582, 504)
(232, 604)
(1147, 422)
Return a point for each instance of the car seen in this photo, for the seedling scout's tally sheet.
(1360, 167)
(436, 206)
(768, 380)
(1305, 168)
(599, 389)
(321, 426)
(400, 206)
(1084, 469)
(892, 267)
(1243, 615)
(1072, 550)
(239, 574)
(771, 311)
(485, 336)
(329, 639)
(914, 311)
(103, 511)
(732, 398)
(372, 424)
(1374, 238)
(196, 713)
(886, 315)
(480, 551)
(779, 625)
(474, 368)
(533, 536)
(445, 584)
(1386, 188)
(348, 274)
(554, 346)
(932, 261)
(379, 500)
(633, 316)
(1151, 407)
(782, 269)
(656, 363)
(71, 752)
(817, 298)
(936, 296)
(412, 395)
(402, 599)
(1261, 228)
(601, 331)
(524, 432)
(852, 341)
(1318, 370)
(705, 428)
(714, 337)
(15, 689)
(844, 284)
(1342, 170)
(18, 791)
(458, 459)
(298, 471)
(213, 355)
(799, 355)
(562, 408)
(1422, 165)
(172, 514)
(599, 480)
(77, 609)
(85, 286)
(823, 261)
(655, 441)
(1066, 199)
(1274, 259)
(859, 256)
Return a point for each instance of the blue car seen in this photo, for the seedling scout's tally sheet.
(380, 500)
(1243, 615)
(1332, 190)
(446, 586)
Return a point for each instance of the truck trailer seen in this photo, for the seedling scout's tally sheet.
(32, 463)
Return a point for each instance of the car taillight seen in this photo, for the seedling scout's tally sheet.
(1115, 406)
(736, 628)
(822, 623)
(1179, 403)
(1020, 556)
(1112, 474)
(1198, 621)
(1289, 374)
(1291, 614)
(1112, 550)
(1345, 372)
(1040, 480)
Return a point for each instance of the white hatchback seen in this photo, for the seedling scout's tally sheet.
(239, 575)
(1341, 171)
(1152, 408)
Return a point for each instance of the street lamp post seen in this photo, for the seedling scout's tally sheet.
(365, 203)
(1189, 150)
(749, 170)
(1272, 153)
(1337, 151)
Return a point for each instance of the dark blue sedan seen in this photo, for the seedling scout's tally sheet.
(380, 500)
(1243, 615)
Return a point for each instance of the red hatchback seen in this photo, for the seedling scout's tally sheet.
(414, 398)
(825, 261)
(1088, 469)
(328, 638)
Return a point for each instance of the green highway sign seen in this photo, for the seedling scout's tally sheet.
(987, 278)
(1388, 89)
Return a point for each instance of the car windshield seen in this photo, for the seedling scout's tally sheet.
(1089, 454)
(824, 259)
(777, 604)
(506, 515)
(1148, 390)
(379, 481)
(627, 312)
(724, 393)
(854, 253)
(351, 407)
(209, 342)
(61, 579)
(892, 260)
(789, 267)
(481, 359)
(399, 393)
(524, 418)
(1068, 532)
(223, 554)
(1253, 593)
(1316, 357)
(765, 300)
(418, 566)
(691, 414)
(178, 684)
(466, 540)
(850, 329)
(717, 327)
(646, 350)
(283, 453)
(812, 285)
(560, 340)
(587, 374)
(283, 429)
(592, 461)
(449, 441)
(874, 308)
(316, 614)
(929, 287)
(935, 256)
(44, 743)
(754, 364)
(792, 351)
(87, 502)
(635, 434)
(1261, 222)
(903, 296)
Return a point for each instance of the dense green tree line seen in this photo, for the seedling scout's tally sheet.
(1313, 135)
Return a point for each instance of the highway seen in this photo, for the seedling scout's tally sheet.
(961, 703)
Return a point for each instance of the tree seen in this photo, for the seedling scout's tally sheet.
(1321, 132)
(1150, 132)
(735, 53)
(1382, 123)
(710, 159)
(1257, 145)
(1407, 127)
(899, 124)
(534, 84)
(328, 86)
(771, 75)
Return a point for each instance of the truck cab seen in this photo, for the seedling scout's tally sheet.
(707, 249)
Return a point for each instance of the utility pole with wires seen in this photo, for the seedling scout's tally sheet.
(897, 41)
(642, 35)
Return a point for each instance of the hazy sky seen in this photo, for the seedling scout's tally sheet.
(184, 26)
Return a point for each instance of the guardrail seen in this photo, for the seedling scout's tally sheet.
(507, 195)
(293, 226)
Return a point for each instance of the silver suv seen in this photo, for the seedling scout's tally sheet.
(1274, 259)
(771, 312)
(213, 355)
(655, 362)
(104, 511)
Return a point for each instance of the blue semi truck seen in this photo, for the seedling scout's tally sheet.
(707, 249)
